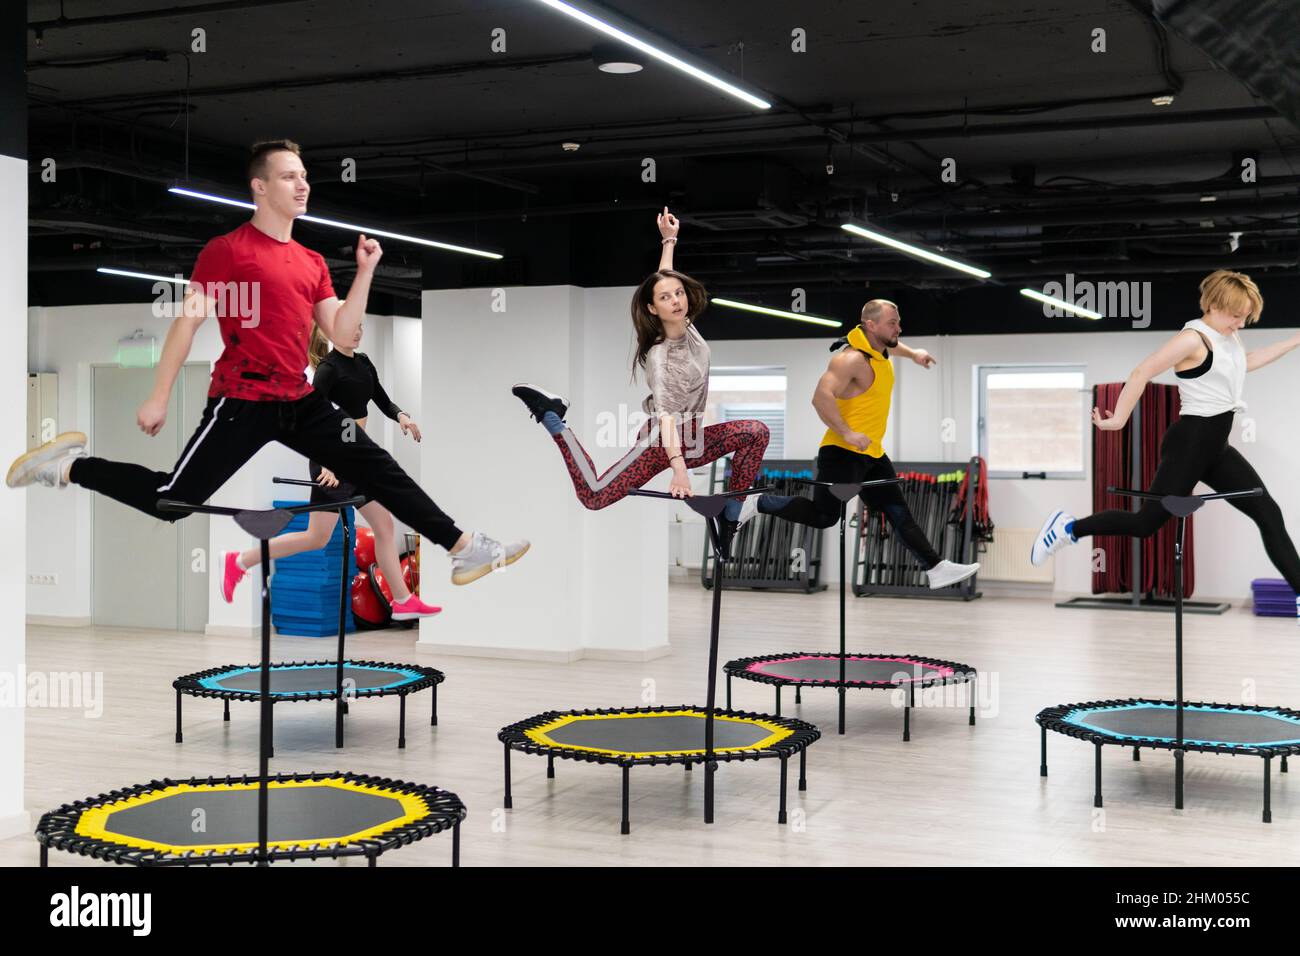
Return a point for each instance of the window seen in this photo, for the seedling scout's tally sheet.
(1032, 420)
(759, 393)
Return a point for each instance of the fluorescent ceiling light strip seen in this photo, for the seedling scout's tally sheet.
(912, 250)
(351, 227)
(1061, 304)
(660, 55)
(142, 275)
(732, 304)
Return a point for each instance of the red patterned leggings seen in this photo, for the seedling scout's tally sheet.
(746, 439)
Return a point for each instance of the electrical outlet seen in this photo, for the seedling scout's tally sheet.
(47, 579)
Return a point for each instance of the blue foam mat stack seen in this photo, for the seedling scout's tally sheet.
(305, 586)
(1273, 598)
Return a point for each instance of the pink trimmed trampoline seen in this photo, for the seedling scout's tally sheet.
(800, 669)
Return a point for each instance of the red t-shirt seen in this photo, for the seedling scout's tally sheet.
(265, 290)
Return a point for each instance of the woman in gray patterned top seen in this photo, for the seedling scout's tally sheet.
(675, 359)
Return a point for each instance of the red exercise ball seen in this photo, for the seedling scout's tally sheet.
(364, 548)
(366, 604)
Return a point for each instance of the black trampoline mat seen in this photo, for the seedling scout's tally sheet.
(672, 733)
(1211, 726)
(299, 813)
(297, 680)
(860, 670)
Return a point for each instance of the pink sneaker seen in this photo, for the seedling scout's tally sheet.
(231, 576)
(412, 608)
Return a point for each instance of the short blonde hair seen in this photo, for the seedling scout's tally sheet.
(873, 309)
(1231, 292)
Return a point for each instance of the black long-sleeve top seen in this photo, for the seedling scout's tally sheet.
(352, 383)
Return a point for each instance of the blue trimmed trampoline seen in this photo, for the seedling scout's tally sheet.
(293, 681)
(1265, 732)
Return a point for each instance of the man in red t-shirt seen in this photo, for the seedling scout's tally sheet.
(266, 291)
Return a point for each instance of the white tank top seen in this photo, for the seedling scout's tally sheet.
(1218, 388)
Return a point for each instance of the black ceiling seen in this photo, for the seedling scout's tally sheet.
(1063, 164)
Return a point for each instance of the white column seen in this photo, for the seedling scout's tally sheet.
(13, 522)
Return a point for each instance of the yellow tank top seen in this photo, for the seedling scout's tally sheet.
(866, 413)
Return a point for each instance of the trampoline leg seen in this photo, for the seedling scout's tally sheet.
(972, 685)
(339, 711)
(1137, 754)
(1042, 760)
(1096, 798)
(401, 723)
(689, 766)
(270, 731)
(1178, 779)
(508, 802)
(226, 714)
(1284, 763)
(550, 766)
(710, 767)
(455, 844)
(433, 719)
(907, 720)
(345, 706)
(780, 817)
(778, 700)
(1268, 790)
(728, 694)
(803, 770)
(371, 859)
(625, 827)
(45, 855)
(798, 694)
(179, 737)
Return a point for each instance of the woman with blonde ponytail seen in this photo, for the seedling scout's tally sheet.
(347, 378)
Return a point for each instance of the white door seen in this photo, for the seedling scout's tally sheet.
(146, 573)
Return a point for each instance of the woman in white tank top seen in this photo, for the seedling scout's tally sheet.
(1210, 364)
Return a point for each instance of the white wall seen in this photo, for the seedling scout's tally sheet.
(594, 584)
(68, 341)
(1228, 550)
(13, 504)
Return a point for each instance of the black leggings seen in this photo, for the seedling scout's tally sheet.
(1195, 448)
(835, 464)
(232, 430)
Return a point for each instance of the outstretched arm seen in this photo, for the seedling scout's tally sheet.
(1258, 358)
(668, 228)
(920, 356)
(1162, 360)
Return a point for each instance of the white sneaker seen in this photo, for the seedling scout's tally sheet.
(1052, 537)
(44, 465)
(748, 508)
(947, 573)
(484, 555)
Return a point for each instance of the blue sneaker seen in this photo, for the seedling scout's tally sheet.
(1052, 538)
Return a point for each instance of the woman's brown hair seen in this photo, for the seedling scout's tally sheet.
(649, 328)
(318, 347)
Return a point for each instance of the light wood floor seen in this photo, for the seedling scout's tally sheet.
(954, 795)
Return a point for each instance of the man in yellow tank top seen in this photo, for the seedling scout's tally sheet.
(852, 398)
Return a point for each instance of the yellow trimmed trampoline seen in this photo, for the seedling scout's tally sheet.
(628, 737)
(211, 821)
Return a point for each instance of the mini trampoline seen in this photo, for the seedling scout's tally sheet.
(801, 669)
(844, 670)
(311, 816)
(628, 737)
(1265, 732)
(312, 680)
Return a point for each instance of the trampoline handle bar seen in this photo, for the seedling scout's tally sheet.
(294, 481)
(756, 490)
(864, 484)
(1218, 495)
(167, 504)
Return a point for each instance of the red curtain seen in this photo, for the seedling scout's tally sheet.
(1112, 466)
